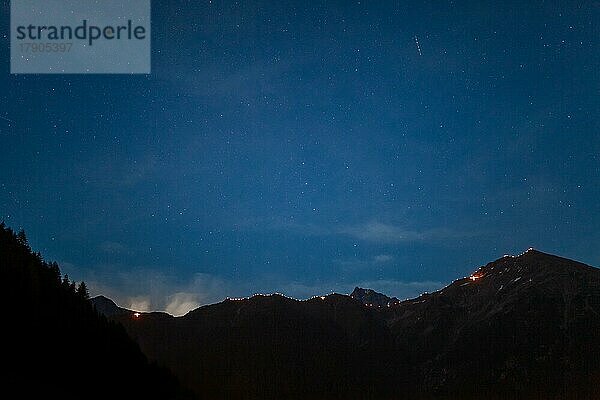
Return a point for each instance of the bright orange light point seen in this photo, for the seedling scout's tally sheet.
(136, 315)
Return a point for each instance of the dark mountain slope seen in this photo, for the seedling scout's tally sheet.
(523, 327)
(57, 346)
(527, 326)
(273, 347)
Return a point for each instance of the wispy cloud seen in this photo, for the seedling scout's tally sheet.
(148, 289)
(108, 172)
(381, 232)
(383, 258)
(111, 247)
(181, 303)
(139, 303)
(372, 231)
(355, 263)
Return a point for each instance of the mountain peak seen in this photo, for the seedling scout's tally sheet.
(370, 297)
(509, 277)
(107, 307)
(537, 261)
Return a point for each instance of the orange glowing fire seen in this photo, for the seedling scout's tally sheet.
(136, 315)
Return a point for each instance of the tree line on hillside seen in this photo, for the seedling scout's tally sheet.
(57, 344)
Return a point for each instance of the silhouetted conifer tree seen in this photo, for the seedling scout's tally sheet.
(82, 291)
(22, 238)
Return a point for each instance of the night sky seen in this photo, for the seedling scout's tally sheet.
(311, 147)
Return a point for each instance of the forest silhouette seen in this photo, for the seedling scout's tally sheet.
(57, 345)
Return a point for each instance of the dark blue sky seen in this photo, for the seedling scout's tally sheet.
(311, 147)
